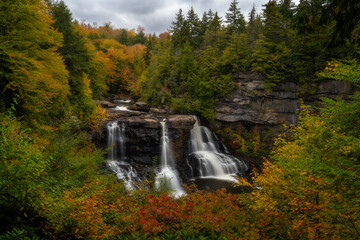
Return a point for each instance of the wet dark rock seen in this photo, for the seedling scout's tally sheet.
(181, 122)
(143, 136)
(113, 114)
(105, 104)
(140, 106)
(157, 111)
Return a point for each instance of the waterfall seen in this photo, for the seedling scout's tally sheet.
(112, 140)
(167, 176)
(116, 141)
(117, 155)
(202, 138)
(126, 174)
(122, 105)
(206, 158)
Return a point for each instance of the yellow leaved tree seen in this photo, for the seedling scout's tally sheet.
(32, 73)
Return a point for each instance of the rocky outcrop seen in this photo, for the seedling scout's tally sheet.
(105, 104)
(252, 103)
(143, 135)
(157, 110)
(332, 89)
(140, 106)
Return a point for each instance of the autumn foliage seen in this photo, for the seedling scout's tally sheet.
(91, 212)
(309, 190)
(52, 185)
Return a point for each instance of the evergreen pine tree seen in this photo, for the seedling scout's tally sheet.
(78, 59)
(346, 14)
(254, 27)
(177, 29)
(150, 44)
(235, 19)
(193, 24)
(123, 37)
(215, 23)
(187, 67)
(210, 15)
(204, 24)
(287, 9)
(273, 22)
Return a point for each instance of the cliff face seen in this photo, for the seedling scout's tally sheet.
(143, 133)
(250, 103)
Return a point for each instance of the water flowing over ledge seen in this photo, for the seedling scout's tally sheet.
(168, 178)
(134, 141)
(117, 156)
(206, 158)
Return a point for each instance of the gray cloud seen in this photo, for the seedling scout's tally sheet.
(153, 15)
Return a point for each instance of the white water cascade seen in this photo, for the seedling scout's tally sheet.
(168, 176)
(122, 105)
(117, 157)
(206, 158)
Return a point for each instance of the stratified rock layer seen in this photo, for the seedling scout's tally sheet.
(251, 103)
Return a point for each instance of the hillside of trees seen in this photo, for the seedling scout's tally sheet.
(52, 68)
(285, 43)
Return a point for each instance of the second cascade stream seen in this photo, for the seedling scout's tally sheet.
(168, 177)
(206, 157)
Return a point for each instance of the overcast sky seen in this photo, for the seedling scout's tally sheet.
(153, 15)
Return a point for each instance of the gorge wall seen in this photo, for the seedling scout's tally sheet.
(251, 103)
(251, 110)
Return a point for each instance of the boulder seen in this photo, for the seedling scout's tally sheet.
(113, 114)
(105, 104)
(157, 111)
(140, 106)
(183, 122)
